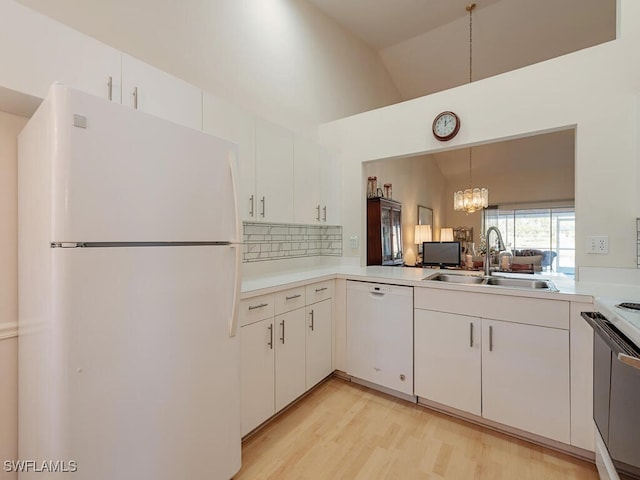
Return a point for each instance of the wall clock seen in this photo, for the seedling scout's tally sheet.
(446, 126)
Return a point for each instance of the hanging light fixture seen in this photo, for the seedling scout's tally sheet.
(472, 199)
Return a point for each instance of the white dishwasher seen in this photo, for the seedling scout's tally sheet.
(380, 334)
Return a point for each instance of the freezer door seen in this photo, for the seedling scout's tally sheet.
(144, 375)
(121, 175)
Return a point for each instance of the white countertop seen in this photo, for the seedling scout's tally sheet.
(568, 288)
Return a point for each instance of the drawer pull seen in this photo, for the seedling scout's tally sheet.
(292, 297)
(255, 307)
(318, 290)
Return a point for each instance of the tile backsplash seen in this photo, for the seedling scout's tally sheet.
(276, 241)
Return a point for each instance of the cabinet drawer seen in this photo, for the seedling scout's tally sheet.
(316, 292)
(288, 300)
(533, 311)
(255, 309)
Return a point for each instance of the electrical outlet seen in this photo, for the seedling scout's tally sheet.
(598, 244)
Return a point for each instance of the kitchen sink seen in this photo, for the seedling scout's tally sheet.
(453, 278)
(524, 283)
(519, 283)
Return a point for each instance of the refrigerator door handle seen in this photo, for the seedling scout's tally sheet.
(234, 176)
(233, 322)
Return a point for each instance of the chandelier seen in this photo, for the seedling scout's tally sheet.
(471, 199)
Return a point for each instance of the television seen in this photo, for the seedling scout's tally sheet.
(441, 254)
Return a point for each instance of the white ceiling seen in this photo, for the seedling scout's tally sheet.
(424, 44)
(382, 23)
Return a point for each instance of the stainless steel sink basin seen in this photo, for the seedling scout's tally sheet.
(453, 278)
(524, 283)
(520, 283)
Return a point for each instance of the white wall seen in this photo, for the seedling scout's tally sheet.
(416, 181)
(10, 126)
(283, 60)
(595, 90)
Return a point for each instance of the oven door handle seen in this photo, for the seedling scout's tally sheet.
(629, 360)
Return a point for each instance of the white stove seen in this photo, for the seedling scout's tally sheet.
(624, 314)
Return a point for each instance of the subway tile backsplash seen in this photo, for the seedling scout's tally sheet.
(277, 241)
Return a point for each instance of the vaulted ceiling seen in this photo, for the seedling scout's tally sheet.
(424, 44)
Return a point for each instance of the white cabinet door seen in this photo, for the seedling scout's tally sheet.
(227, 121)
(151, 90)
(257, 397)
(330, 187)
(306, 169)
(274, 173)
(318, 346)
(290, 357)
(37, 51)
(525, 377)
(448, 359)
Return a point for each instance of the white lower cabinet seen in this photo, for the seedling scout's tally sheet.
(285, 348)
(525, 378)
(319, 342)
(257, 369)
(290, 371)
(513, 373)
(447, 359)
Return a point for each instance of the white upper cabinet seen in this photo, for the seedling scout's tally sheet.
(37, 51)
(151, 90)
(274, 173)
(227, 121)
(329, 188)
(306, 168)
(317, 183)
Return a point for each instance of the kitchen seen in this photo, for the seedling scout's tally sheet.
(525, 97)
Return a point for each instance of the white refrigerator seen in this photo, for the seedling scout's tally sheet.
(128, 285)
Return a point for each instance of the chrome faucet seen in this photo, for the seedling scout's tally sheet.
(487, 254)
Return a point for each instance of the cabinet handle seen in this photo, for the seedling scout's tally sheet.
(251, 202)
(318, 214)
(270, 327)
(110, 91)
(324, 213)
(311, 326)
(490, 338)
(297, 295)
(135, 98)
(262, 202)
(254, 307)
(320, 289)
(471, 334)
(282, 337)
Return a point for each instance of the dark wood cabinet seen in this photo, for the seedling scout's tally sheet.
(384, 232)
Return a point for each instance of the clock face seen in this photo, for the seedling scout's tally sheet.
(446, 125)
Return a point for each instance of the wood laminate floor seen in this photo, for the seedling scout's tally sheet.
(344, 431)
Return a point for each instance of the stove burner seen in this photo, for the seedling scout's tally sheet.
(629, 306)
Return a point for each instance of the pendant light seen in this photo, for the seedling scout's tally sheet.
(472, 199)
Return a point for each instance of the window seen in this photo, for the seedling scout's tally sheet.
(551, 231)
